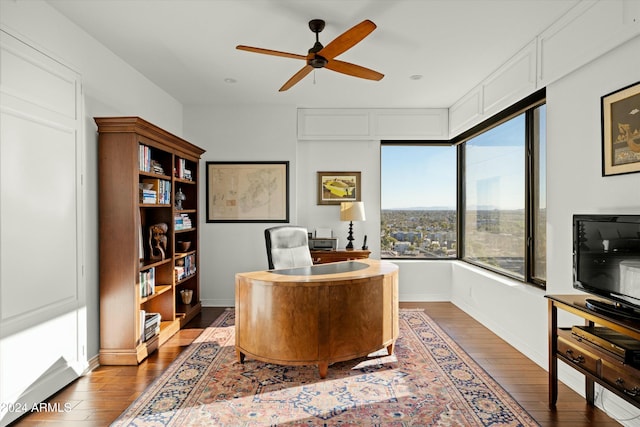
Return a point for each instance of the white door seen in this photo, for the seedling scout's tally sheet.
(42, 293)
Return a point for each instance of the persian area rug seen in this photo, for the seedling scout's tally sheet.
(428, 381)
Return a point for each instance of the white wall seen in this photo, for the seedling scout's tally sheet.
(238, 134)
(573, 135)
(354, 156)
(111, 88)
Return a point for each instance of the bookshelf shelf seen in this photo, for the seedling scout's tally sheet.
(141, 169)
(159, 291)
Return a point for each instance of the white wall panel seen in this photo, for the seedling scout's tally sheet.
(411, 124)
(586, 32)
(513, 81)
(372, 124)
(333, 124)
(466, 112)
(42, 290)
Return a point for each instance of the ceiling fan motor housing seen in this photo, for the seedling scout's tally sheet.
(317, 61)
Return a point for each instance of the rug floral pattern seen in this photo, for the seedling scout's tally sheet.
(428, 381)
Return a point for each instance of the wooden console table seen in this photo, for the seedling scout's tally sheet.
(317, 315)
(598, 365)
(321, 257)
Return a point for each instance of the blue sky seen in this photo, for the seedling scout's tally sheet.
(425, 177)
(415, 177)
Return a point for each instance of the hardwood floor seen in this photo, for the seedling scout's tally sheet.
(98, 398)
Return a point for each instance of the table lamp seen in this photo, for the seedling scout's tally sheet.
(351, 211)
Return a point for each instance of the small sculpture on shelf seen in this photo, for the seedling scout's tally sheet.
(180, 197)
(158, 241)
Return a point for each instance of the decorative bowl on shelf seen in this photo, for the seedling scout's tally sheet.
(186, 295)
(184, 246)
(145, 186)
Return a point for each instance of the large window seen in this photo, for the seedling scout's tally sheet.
(419, 210)
(494, 198)
(504, 219)
(480, 197)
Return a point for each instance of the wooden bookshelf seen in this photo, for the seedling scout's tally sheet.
(133, 152)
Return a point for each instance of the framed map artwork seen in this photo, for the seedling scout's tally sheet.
(248, 191)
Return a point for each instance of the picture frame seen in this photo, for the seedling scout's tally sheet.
(337, 187)
(621, 131)
(247, 191)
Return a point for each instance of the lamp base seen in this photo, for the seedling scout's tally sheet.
(349, 246)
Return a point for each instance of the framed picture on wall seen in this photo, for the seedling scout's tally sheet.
(248, 191)
(337, 187)
(621, 131)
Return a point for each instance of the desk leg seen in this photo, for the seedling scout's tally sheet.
(553, 351)
(323, 368)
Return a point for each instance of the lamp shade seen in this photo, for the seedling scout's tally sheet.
(352, 211)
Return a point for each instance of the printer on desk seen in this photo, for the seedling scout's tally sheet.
(323, 241)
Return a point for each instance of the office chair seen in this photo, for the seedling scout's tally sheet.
(287, 247)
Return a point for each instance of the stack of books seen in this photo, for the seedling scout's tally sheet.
(151, 325)
(148, 196)
(182, 222)
(187, 269)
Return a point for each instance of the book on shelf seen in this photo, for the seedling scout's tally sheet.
(144, 158)
(147, 282)
(141, 323)
(146, 163)
(181, 170)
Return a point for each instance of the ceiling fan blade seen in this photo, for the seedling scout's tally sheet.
(353, 70)
(296, 77)
(270, 52)
(348, 39)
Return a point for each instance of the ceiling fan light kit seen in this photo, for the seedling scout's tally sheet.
(320, 56)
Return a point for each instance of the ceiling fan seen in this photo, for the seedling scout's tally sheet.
(320, 56)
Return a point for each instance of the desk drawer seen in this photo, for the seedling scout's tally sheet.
(578, 355)
(623, 377)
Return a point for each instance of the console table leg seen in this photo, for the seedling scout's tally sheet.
(589, 391)
(553, 350)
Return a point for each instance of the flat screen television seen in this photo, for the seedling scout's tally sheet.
(606, 262)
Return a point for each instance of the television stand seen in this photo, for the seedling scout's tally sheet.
(612, 309)
(596, 364)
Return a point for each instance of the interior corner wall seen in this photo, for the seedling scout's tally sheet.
(111, 87)
(574, 185)
(241, 133)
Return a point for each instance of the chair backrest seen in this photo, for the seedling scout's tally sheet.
(287, 247)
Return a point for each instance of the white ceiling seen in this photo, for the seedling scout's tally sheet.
(187, 47)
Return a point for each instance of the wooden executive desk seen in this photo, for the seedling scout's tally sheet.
(317, 315)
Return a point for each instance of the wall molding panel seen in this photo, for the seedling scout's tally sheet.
(372, 124)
